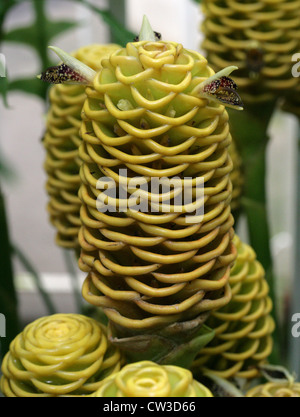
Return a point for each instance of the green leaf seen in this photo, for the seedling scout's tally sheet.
(120, 33)
(24, 34)
(29, 86)
(56, 28)
(220, 387)
(8, 296)
(175, 344)
(4, 89)
(30, 34)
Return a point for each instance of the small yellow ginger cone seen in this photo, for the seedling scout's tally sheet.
(61, 142)
(275, 389)
(280, 384)
(243, 328)
(147, 379)
(259, 37)
(58, 355)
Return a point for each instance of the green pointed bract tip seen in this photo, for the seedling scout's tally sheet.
(220, 88)
(70, 71)
(146, 32)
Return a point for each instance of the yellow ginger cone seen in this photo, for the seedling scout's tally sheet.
(281, 383)
(243, 328)
(275, 389)
(61, 142)
(147, 379)
(58, 355)
(143, 114)
(259, 37)
(154, 111)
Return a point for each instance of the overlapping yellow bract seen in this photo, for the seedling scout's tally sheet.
(148, 379)
(275, 389)
(243, 327)
(61, 142)
(144, 114)
(259, 37)
(58, 355)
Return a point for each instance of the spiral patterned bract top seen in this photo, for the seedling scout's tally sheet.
(61, 142)
(148, 379)
(148, 268)
(258, 36)
(275, 389)
(59, 355)
(243, 327)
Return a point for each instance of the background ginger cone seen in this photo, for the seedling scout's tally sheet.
(59, 355)
(275, 390)
(149, 270)
(61, 142)
(243, 328)
(258, 36)
(148, 379)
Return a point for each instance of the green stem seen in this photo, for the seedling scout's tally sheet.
(294, 308)
(29, 268)
(41, 38)
(74, 281)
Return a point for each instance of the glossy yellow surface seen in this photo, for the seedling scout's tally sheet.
(61, 142)
(243, 327)
(258, 36)
(58, 355)
(144, 114)
(275, 389)
(147, 379)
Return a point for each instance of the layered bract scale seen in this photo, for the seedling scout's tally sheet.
(244, 326)
(259, 37)
(61, 142)
(144, 115)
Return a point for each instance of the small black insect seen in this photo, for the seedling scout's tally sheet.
(61, 74)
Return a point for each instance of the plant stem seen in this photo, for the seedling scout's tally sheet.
(29, 268)
(8, 295)
(41, 38)
(74, 280)
(294, 357)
